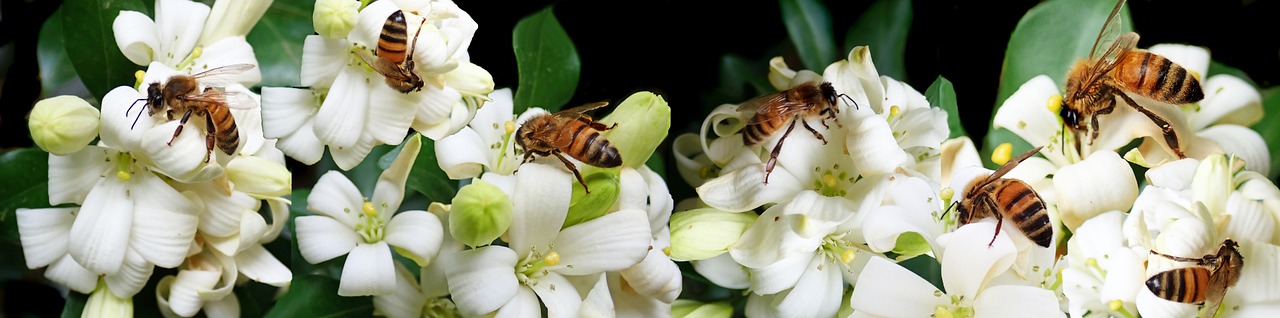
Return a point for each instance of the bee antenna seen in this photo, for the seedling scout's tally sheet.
(135, 102)
(944, 212)
(1064, 138)
(850, 99)
(135, 119)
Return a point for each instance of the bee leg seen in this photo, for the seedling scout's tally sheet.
(1170, 136)
(815, 131)
(208, 138)
(182, 123)
(1199, 261)
(528, 157)
(777, 149)
(573, 168)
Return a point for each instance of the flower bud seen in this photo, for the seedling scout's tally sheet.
(471, 80)
(480, 213)
(335, 18)
(104, 303)
(260, 177)
(63, 125)
(705, 233)
(684, 308)
(643, 120)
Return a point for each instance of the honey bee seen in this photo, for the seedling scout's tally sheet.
(1094, 84)
(182, 94)
(810, 100)
(569, 131)
(391, 60)
(1007, 198)
(1206, 282)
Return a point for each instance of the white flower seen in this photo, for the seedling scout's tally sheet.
(365, 230)
(233, 18)
(1105, 274)
(968, 265)
(532, 268)
(203, 283)
(487, 144)
(64, 124)
(174, 38)
(45, 239)
(428, 295)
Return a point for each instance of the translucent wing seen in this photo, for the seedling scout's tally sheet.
(223, 75)
(772, 105)
(232, 99)
(579, 111)
(384, 66)
(1120, 48)
(1109, 32)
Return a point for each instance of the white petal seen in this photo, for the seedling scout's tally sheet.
(389, 190)
(369, 270)
(183, 298)
(185, 158)
(302, 145)
(1228, 100)
(230, 51)
(541, 202)
(1250, 221)
(258, 264)
(433, 109)
(884, 225)
(598, 301)
(222, 213)
(341, 119)
(1125, 274)
(118, 128)
(405, 301)
(744, 188)
(100, 235)
(1175, 175)
(322, 60)
(321, 238)
(370, 22)
(225, 307)
(462, 155)
(135, 35)
(781, 275)
(886, 289)
(1242, 142)
(968, 263)
(349, 157)
(482, 280)
(958, 153)
(430, 55)
(558, 295)
(922, 127)
(1026, 114)
(1151, 306)
(524, 304)
(857, 77)
(390, 114)
(1258, 276)
(72, 177)
(179, 24)
(655, 276)
(335, 196)
(818, 293)
(66, 272)
(490, 120)
(770, 239)
(416, 232)
(871, 144)
(1016, 301)
(723, 271)
(1097, 236)
(459, 29)
(611, 242)
(133, 274)
(1100, 183)
(1193, 58)
(43, 233)
(285, 109)
(660, 202)
(164, 222)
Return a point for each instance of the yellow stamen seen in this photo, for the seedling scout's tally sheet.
(369, 209)
(947, 194)
(123, 176)
(1115, 305)
(510, 126)
(1195, 74)
(552, 259)
(666, 251)
(1055, 103)
(1002, 154)
(894, 111)
(941, 312)
(195, 54)
(829, 180)
(138, 78)
(123, 162)
(847, 256)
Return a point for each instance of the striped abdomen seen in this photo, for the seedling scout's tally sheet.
(391, 43)
(763, 125)
(1016, 200)
(224, 128)
(587, 145)
(1184, 285)
(1157, 77)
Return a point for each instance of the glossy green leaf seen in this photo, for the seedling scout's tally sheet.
(277, 41)
(740, 79)
(26, 185)
(883, 29)
(317, 296)
(75, 305)
(547, 61)
(942, 94)
(425, 177)
(926, 267)
(1047, 40)
(56, 71)
(91, 45)
(809, 26)
(1216, 68)
(1269, 127)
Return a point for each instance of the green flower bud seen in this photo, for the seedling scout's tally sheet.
(643, 120)
(470, 80)
(684, 308)
(335, 18)
(480, 213)
(585, 207)
(260, 177)
(104, 303)
(63, 125)
(705, 233)
(911, 244)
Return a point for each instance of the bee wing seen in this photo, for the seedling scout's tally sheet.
(222, 75)
(1013, 163)
(1121, 47)
(1110, 31)
(774, 104)
(579, 111)
(232, 99)
(383, 66)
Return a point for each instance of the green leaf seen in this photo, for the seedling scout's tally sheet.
(942, 94)
(1216, 68)
(26, 185)
(425, 177)
(547, 61)
(1269, 127)
(317, 296)
(91, 45)
(809, 25)
(51, 53)
(277, 41)
(883, 28)
(740, 79)
(75, 305)
(926, 267)
(1050, 37)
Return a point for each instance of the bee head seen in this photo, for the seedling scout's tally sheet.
(155, 97)
(1070, 117)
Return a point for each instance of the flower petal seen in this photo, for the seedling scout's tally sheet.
(186, 157)
(183, 298)
(72, 177)
(322, 60)
(541, 202)
(782, 274)
(335, 196)
(66, 272)
(857, 77)
(405, 301)
(302, 145)
(133, 274)
(968, 262)
(390, 114)
(43, 233)
(389, 190)
(558, 295)
(435, 105)
(871, 144)
(611, 242)
(369, 270)
(744, 189)
(341, 122)
(723, 271)
(1099, 183)
(118, 129)
(164, 223)
(1026, 114)
(524, 304)
(178, 25)
(1242, 142)
(1228, 100)
(230, 51)
(461, 155)
(482, 280)
(655, 276)
(417, 233)
(285, 109)
(258, 264)
(958, 153)
(598, 301)
(321, 238)
(1017, 301)
(887, 289)
(818, 293)
(1149, 305)
(1258, 277)
(100, 233)
(348, 157)
(770, 239)
(135, 35)
(1249, 221)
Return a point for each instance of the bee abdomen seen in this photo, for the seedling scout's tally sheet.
(228, 136)
(1181, 285)
(1159, 78)
(761, 129)
(592, 148)
(1024, 207)
(391, 43)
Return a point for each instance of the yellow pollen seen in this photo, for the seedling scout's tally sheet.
(1115, 305)
(138, 78)
(1091, 262)
(1002, 154)
(1195, 74)
(666, 251)
(894, 111)
(947, 194)
(941, 312)
(847, 256)
(1055, 103)
(552, 259)
(510, 126)
(829, 180)
(369, 209)
(196, 52)
(123, 176)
